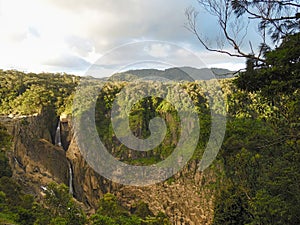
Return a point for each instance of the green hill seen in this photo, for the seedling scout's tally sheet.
(175, 74)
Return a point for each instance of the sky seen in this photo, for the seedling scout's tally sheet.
(71, 36)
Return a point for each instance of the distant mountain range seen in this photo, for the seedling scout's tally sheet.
(176, 73)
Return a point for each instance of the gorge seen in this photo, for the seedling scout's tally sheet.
(182, 199)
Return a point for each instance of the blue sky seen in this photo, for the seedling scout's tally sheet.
(70, 36)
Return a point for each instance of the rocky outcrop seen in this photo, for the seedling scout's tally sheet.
(184, 198)
(34, 158)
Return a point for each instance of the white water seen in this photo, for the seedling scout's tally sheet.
(19, 164)
(57, 135)
(58, 142)
(70, 180)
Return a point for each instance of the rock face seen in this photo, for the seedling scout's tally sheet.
(184, 198)
(34, 158)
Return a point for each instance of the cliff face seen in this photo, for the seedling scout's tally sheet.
(34, 158)
(36, 161)
(184, 198)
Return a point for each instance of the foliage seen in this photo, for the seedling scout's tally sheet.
(5, 169)
(260, 155)
(146, 109)
(280, 73)
(26, 94)
(277, 18)
(111, 212)
(61, 205)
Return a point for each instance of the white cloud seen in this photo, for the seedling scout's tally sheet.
(37, 33)
(217, 60)
(158, 50)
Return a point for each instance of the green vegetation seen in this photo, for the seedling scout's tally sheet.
(260, 156)
(146, 109)
(278, 74)
(5, 170)
(31, 93)
(61, 206)
(110, 212)
(261, 152)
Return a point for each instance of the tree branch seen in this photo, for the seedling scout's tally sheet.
(223, 21)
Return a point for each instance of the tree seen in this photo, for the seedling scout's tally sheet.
(5, 143)
(62, 207)
(109, 206)
(280, 73)
(274, 20)
(111, 212)
(142, 210)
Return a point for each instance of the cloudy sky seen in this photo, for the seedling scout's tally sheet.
(70, 36)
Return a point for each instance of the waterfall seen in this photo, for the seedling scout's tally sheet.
(18, 163)
(57, 141)
(57, 135)
(70, 179)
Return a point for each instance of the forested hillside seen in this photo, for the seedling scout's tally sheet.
(26, 94)
(262, 150)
